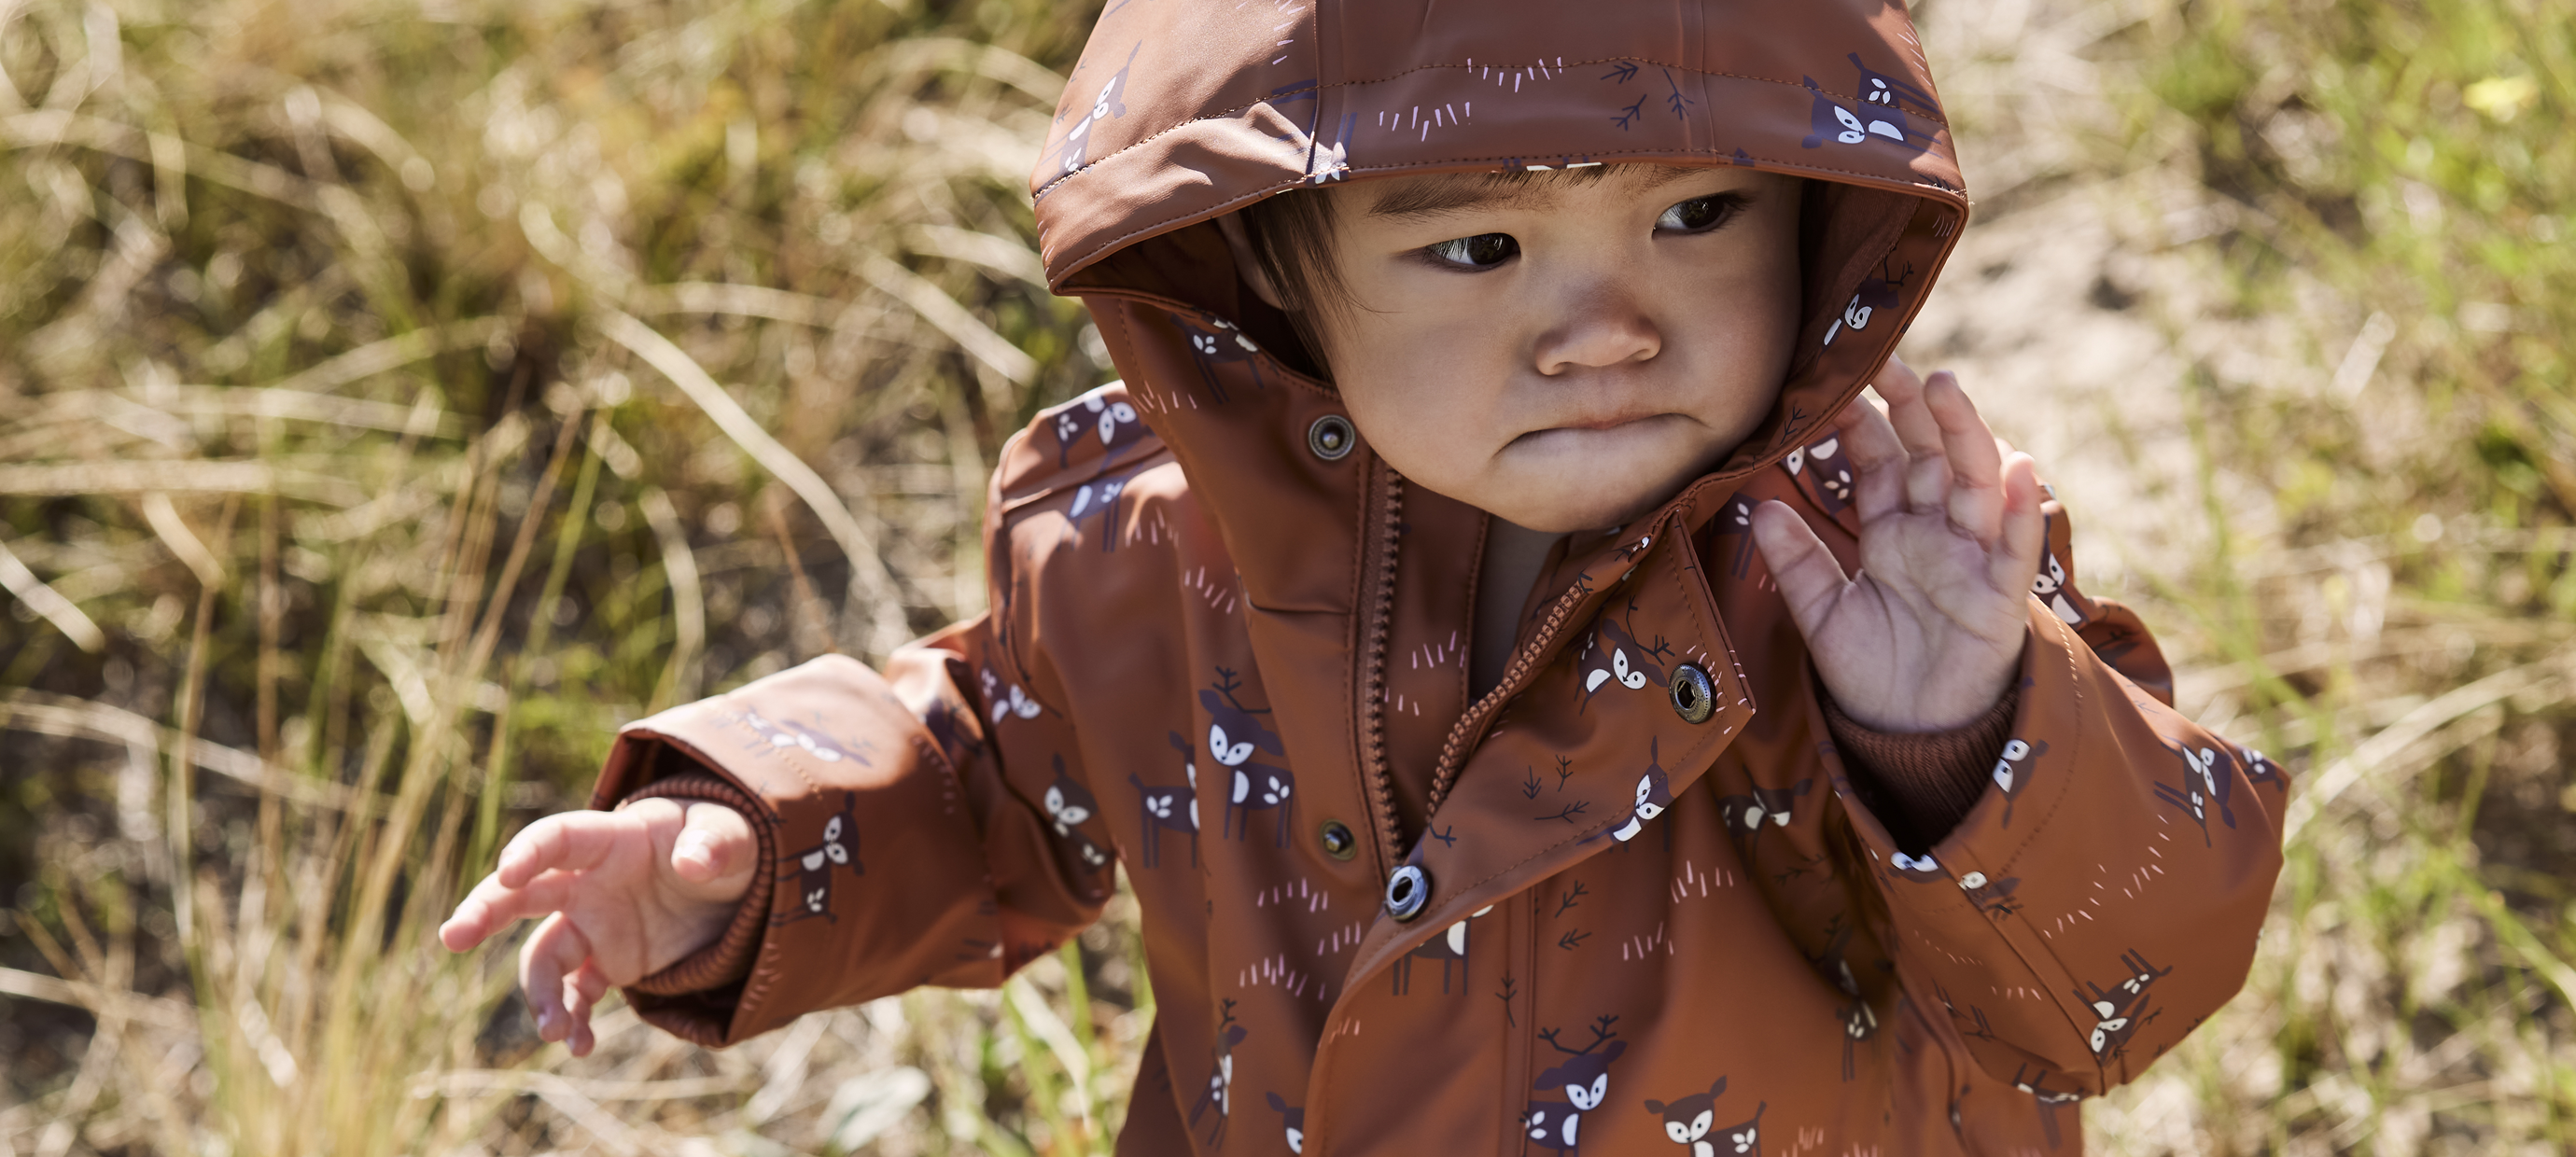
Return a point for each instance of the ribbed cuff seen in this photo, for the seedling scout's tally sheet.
(1921, 786)
(728, 960)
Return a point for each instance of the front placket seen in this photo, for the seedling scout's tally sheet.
(1591, 715)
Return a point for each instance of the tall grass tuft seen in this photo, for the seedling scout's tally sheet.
(394, 399)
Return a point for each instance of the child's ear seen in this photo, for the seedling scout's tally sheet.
(1246, 264)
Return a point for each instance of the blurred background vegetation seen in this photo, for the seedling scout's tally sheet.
(396, 398)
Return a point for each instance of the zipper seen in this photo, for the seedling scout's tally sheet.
(1470, 728)
(1380, 771)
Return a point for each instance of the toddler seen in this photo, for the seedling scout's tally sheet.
(1539, 703)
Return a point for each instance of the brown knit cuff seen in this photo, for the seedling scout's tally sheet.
(1921, 786)
(728, 960)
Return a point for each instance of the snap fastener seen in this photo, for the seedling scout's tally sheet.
(1406, 892)
(1338, 841)
(1694, 696)
(1331, 437)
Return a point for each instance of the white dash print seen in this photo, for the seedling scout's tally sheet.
(1639, 947)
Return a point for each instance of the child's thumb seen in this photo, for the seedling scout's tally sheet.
(715, 842)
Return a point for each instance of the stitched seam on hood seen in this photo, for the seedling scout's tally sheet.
(1320, 89)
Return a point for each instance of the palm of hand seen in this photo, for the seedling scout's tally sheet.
(1927, 636)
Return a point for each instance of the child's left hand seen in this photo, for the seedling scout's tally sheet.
(1928, 635)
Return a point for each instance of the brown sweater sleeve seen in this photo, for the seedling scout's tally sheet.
(1921, 786)
(714, 972)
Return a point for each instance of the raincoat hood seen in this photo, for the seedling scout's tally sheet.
(1180, 112)
(1634, 895)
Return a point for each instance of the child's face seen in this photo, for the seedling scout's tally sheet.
(1563, 355)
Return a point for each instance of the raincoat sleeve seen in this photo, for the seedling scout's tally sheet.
(2103, 895)
(899, 846)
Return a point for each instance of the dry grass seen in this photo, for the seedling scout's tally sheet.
(395, 398)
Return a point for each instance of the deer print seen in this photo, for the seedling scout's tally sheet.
(1743, 1137)
(2121, 1010)
(1219, 1094)
(1879, 115)
(814, 865)
(1234, 732)
(1097, 500)
(1450, 947)
(1688, 1120)
(1745, 815)
(1074, 152)
(1293, 1120)
(1216, 342)
(1068, 806)
(1874, 296)
(784, 734)
(1622, 659)
(2208, 778)
(1176, 808)
(1585, 1077)
(1654, 794)
(2013, 768)
(2259, 769)
(1014, 701)
(1824, 472)
(2052, 588)
(1115, 423)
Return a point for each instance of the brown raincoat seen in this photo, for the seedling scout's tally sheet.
(1647, 901)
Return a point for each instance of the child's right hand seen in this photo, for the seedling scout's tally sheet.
(624, 895)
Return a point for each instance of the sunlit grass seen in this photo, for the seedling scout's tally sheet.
(394, 399)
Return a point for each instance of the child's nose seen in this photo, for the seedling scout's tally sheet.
(1600, 327)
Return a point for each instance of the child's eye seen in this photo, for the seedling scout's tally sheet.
(1482, 251)
(1701, 214)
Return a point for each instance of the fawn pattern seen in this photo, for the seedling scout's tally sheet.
(1879, 116)
(1692, 1121)
(1584, 1076)
(1449, 948)
(1234, 733)
(1069, 805)
(1292, 1120)
(813, 866)
(1174, 808)
(1219, 1093)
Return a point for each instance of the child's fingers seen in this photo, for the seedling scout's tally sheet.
(2025, 528)
(1976, 497)
(1809, 578)
(1915, 426)
(568, 840)
(552, 954)
(1877, 458)
(582, 991)
(493, 905)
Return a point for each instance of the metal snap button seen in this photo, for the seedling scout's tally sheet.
(1338, 841)
(1694, 696)
(1331, 437)
(1406, 892)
